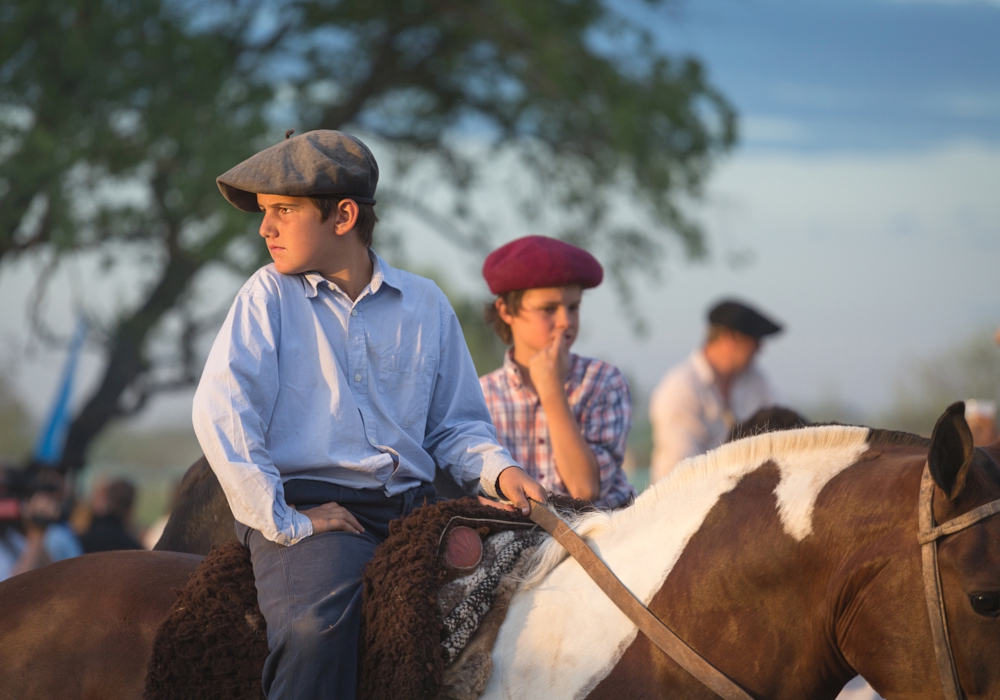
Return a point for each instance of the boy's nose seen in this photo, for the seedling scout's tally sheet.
(266, 227)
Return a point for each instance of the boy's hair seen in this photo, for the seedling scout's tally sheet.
(715, 331)
(511, 300)
(367, 218)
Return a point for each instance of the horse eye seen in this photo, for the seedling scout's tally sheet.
(986, 603)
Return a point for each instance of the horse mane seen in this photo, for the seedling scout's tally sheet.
(756, 449)
(877, 436)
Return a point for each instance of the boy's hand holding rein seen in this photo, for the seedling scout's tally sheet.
(517, 487)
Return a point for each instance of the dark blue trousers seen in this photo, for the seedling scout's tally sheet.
(310, 592)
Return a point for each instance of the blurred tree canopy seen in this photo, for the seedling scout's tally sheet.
(116, 115)
(969, 369)
(15, 425)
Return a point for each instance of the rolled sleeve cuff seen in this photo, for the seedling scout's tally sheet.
(299, 527)
(492, 466)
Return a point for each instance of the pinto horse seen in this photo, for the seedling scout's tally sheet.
(788, 560)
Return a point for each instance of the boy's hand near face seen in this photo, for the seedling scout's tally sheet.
(549, 366)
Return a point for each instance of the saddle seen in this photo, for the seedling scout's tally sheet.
(434, 597)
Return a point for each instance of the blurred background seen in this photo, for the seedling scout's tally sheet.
(835, 163)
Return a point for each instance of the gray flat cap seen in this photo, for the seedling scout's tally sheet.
(315, 164)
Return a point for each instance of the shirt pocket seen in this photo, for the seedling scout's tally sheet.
(405, 383)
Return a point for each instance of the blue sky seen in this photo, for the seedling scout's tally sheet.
(845, 74)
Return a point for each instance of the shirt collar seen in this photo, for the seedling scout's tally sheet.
(511, 368)
(702, 368)
(382, 273)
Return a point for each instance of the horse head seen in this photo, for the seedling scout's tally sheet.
(967, 478)
(885, 624)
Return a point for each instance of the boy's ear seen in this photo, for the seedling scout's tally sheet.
(345, 216)
(502, 311)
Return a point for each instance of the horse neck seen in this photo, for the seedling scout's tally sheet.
(876, 599)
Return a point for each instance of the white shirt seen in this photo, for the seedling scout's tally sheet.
(301, 382)
(690, 417)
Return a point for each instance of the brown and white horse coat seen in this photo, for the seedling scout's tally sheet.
(765, 555)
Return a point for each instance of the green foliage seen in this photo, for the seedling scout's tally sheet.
(970, 369)
(592, 112)
(116, 116)
(16, 429)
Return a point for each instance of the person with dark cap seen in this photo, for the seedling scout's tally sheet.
(564, 418)
(111, 504)
(697, 403)
(333, 388)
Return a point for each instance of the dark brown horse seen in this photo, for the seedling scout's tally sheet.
(789, 560)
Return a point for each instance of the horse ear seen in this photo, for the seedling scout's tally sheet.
(951, 450)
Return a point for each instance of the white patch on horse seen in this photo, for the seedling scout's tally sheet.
(562, 635)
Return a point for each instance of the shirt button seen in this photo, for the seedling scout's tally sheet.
(357, 377)
(354, 312)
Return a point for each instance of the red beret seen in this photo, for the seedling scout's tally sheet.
(537, 261)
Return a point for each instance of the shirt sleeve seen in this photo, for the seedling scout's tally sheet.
(231, 411)
(678, 431)
(606, 425)
(460, 436)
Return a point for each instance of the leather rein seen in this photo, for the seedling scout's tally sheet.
(928, 536)
(723, 686)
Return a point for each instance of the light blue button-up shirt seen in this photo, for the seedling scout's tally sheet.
(304, 383)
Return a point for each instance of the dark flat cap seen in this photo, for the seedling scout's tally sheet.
(315, 164)
(538, 261)
(742, 318)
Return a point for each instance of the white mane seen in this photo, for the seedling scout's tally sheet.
(807, 457)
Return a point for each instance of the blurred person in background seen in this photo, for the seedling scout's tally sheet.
(981, 415)
(111, 504)
(47, 534)
(11, 536)
(696, 405)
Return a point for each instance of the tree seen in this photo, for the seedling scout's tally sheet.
(15, 425)
(968, 369)
(571, 92)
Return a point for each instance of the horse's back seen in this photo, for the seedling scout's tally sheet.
(83, 627)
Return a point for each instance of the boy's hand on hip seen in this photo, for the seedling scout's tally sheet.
(331, 517)
(518, 487)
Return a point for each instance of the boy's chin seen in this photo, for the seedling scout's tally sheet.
(285, 268)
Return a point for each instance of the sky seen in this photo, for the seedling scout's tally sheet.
(862, 199)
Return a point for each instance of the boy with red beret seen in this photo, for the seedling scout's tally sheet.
(335, 386)
(564, 418)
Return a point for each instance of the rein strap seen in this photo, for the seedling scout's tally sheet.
(661, 635)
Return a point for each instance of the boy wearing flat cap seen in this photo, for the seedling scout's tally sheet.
(696, 405)
(564, 418)
(334, 387)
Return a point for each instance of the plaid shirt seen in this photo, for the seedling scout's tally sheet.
(601, 403)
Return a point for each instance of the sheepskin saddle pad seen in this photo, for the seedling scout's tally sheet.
(434, 597)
